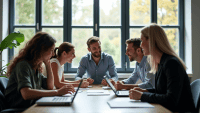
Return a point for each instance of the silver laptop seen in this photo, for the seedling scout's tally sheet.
(122, 93)
(62, 100)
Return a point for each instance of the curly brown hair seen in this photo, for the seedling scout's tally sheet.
(32, 51)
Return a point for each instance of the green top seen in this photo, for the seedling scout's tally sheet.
(23, 75)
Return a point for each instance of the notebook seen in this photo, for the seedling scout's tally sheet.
(122, 93)
(61, 100)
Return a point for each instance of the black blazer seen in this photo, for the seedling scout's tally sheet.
(172, 86)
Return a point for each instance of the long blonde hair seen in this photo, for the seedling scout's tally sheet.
(158, 41)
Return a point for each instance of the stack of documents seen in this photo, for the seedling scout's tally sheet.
(97, 92)
(128, 103)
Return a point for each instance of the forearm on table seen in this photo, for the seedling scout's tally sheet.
(31, 94)
(50, 78)
(61, 84)
(68, 81)
(130, 86)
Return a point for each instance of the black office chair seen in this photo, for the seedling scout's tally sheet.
(195, 88)
(3, 103)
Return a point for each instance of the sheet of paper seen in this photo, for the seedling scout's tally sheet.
(106, 87)
(129, 104)
(97, 92)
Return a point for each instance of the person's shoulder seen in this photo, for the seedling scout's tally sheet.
(171, 61)
(53, 60)
(23, 65)
(86, 57)
(106, 55)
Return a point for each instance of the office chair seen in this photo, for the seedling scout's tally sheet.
(195, 88)
(3, 103)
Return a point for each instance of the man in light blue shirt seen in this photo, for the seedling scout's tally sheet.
(134, 52)
(97, 64)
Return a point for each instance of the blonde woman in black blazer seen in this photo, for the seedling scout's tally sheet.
(172, 85)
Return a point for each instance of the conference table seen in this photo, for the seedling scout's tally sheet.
(94, 104)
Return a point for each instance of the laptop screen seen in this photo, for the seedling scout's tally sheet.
(110, 84)
(77, 89)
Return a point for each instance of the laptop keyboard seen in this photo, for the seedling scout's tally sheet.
(61, 99)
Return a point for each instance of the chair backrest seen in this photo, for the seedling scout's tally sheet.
(3, 84)
(195, 88)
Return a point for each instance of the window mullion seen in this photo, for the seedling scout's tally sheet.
(38, 15)
(153, 11)
(181, 29)
(11, 26)
(96, 18)
(67, 28)
(125, 32)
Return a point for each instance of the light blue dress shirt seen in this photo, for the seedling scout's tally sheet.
(106, 66)
(142, 72)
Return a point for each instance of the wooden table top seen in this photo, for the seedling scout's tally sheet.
(94, 104)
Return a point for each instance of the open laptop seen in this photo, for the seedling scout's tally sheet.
(62, 100)
(122, 93)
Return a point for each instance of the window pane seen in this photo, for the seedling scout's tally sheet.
(167, 12)
(79, 39)
(28, 34)
(111, 43)
(173, 37)
(110, 12)
(134, 33)
(25, 12)
(139, 12)
(57, 33)
(82, 12)
(52, 13)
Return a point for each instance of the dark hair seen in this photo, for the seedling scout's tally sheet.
(135, 41)
(92, 40)
(32, 51)
(65, 46)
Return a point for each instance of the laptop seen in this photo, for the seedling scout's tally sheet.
(122, 93)
(58, 101)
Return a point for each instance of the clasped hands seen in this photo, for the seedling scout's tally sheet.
(103, 82)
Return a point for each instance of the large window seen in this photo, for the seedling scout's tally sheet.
(114, 21)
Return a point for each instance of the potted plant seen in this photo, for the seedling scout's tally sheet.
(12, 40)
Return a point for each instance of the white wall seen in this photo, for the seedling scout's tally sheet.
(4, 29)
(195, 38)
(1, 15)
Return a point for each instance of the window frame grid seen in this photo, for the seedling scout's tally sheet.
(125, 27)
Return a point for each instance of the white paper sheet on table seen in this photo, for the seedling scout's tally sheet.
(97, 92)
(106, 87)
(128, 103)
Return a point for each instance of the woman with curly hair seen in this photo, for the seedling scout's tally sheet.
(25, 73)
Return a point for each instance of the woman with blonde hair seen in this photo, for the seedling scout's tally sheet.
(172, 85)
(26, 81)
